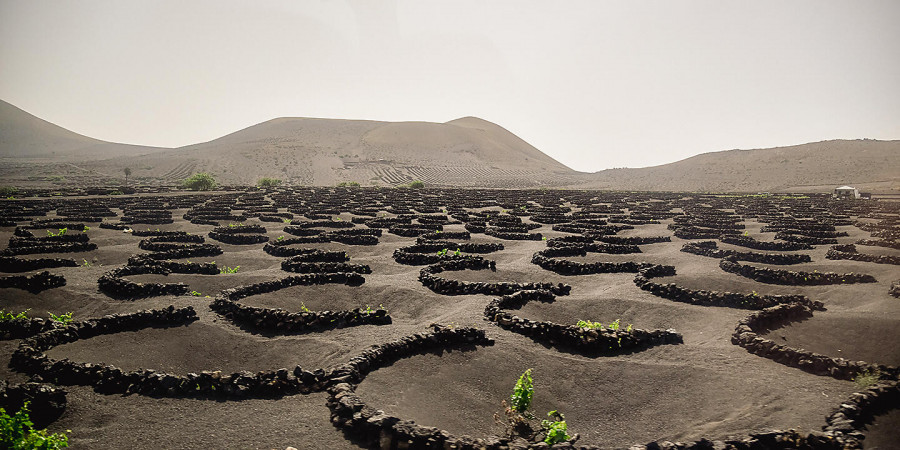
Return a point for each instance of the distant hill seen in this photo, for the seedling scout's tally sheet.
(815, 167)
(23, 135)
(463, 152)
(467, 152)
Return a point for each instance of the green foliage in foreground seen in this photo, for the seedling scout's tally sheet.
(555, 429)
(8, 191)
(17, 432)
(267, 182)
(6, 316)
(199, 182)
(522, 394)
(519, 419)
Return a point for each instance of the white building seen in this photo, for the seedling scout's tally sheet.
(846, 192)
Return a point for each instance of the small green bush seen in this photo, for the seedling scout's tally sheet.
(6, 316)
(226, 269)
(8, 191)
(867, 378)
(589, 324)
(199, 182)
(17, 432)
(348, 184)
(417, 184)
(522, 394)
(267, 182)
(555, 430)
(61, 232)
(63, 319)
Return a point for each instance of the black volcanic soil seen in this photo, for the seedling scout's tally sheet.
(870, 339)
(705, 387)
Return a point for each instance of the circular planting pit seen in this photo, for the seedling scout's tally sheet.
(277, 320)
(194, 348)
(590, 338)
(609, 403)
(842, 337)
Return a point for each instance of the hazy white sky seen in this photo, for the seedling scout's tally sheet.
(593, 84)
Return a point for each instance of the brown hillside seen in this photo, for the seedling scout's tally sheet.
(815, 167)
(23, 135)
(464, 152)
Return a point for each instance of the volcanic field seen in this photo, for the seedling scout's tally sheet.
(402, 318)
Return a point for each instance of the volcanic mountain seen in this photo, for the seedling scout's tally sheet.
(815, 167)
(462, 152)
(467, 152)
(23, 135)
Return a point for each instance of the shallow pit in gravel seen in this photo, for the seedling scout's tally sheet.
(857, 338)
(610, 402)
(196, 347)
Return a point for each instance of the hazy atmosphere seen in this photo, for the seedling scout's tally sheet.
(592, 84)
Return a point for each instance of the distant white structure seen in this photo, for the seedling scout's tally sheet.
(846, 192)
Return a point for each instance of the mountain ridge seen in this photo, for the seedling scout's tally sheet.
(24, 135)
(464, 152)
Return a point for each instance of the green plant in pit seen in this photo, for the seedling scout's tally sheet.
(116, 192)
(17, 432)
(62, 319)
(196, 294)
(286, 220)
(85, 229)
(457, 253)
(61, 232)
(442, 252)
(519, 417)
(226, 269)
(615, 325)
(418, 184)
(6, 316)
(523, 392)
(555, 429)
(369, 309)
(867, 378)
(589, 324)
(303, 308)
(279, 238)
(627, 330)
(85, 263)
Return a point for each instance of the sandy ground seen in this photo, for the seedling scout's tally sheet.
(706, 387)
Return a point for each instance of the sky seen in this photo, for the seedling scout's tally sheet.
(594, 84)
